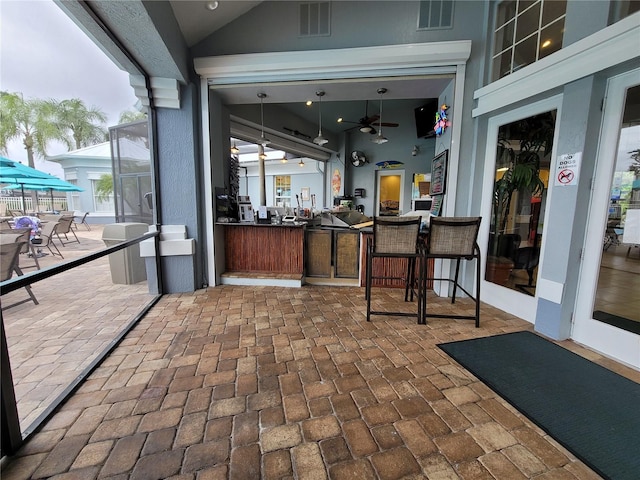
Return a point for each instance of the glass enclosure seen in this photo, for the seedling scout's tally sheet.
(617, 299)
(521, 179)
(133, 186)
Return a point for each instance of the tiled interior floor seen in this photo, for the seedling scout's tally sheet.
(242, 383)
(619, 282)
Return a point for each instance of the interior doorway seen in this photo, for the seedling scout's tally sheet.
(389, 192)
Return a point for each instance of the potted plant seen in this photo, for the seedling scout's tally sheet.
(521, 146)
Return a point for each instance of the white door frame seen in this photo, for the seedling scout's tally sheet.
(611, 341)
(506, 299)
(348, 64)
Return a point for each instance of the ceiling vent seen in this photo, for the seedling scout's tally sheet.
(314, 19)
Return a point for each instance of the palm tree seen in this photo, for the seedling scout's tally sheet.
(129, 116)
(86, 125)
(33, 121)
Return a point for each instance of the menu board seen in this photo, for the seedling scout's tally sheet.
(439, 173)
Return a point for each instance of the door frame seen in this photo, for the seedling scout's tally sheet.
(508, 300)
(611, 341)
(389, 173)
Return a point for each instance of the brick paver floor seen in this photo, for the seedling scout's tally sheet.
(292, 383)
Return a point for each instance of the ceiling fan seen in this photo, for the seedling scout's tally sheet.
(367, 123)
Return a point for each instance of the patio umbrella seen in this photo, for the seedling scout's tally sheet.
(15, 173)
(45, 184)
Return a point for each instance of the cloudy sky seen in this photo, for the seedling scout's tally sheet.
(43, 54)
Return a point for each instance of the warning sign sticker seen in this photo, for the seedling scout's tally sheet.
(568, 169)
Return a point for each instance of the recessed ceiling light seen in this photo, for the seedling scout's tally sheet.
(211, 5)
(309, 103)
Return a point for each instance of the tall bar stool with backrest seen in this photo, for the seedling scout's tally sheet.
(396, 238)
(455, 238)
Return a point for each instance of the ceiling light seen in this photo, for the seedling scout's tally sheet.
(340, 120)
(211, 5)
(380, 139)
(263, 140)
(366, 129)
(301, 163)
(309, 103)
(320, 140)
(235, 150)
(261, 154)
(284, 159)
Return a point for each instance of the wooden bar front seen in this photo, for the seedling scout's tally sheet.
(264, 248)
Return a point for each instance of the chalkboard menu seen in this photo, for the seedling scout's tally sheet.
(439, 173)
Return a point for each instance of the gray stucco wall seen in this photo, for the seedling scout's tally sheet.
(179, 174)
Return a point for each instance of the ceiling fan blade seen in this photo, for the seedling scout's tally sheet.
(385, 124)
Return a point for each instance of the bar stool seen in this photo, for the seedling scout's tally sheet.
(454, 238)
(398, 238)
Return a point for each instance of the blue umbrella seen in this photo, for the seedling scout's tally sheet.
(24, 177)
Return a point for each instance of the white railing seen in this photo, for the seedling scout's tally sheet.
(44, 204)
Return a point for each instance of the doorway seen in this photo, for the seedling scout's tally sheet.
(513, 234)
(389, 192)
(608, 299)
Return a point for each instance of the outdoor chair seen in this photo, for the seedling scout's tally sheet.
(46, 234)
(27, 247)
(9, 255)
(16, 213)
(397, 238)
(81, 220)
(64, 228)
(455, 238)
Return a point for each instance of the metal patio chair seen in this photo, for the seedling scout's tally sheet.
(47, 232)
(9, 255)
(64, 228)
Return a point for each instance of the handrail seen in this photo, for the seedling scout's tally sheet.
(22, 281)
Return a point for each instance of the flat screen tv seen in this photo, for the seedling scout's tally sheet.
(425, 116)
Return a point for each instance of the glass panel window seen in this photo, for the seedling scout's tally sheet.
(521, 22)
(75, 197)
(282, 191)
(551, 39)
(502, 63)
(525, 53)
(528, 22)
(519, 191)
(552, 11)
(503, 38)
(506, 12)
(102, 202)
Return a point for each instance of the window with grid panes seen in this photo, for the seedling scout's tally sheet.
(282, 191)
(435, 14)
(525, 31)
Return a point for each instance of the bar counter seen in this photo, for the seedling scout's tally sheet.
(264, 248)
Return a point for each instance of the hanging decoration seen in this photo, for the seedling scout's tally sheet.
(442, 122)
(336, 182)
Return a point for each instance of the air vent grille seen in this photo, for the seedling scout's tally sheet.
(314, 19)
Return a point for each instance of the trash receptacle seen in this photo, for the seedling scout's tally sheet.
(127, 267)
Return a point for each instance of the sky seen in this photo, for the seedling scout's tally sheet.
(43, 54)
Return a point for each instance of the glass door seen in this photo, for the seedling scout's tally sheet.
(608, 302)
(515, 190)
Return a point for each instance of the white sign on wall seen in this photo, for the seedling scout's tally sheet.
(568, 169)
